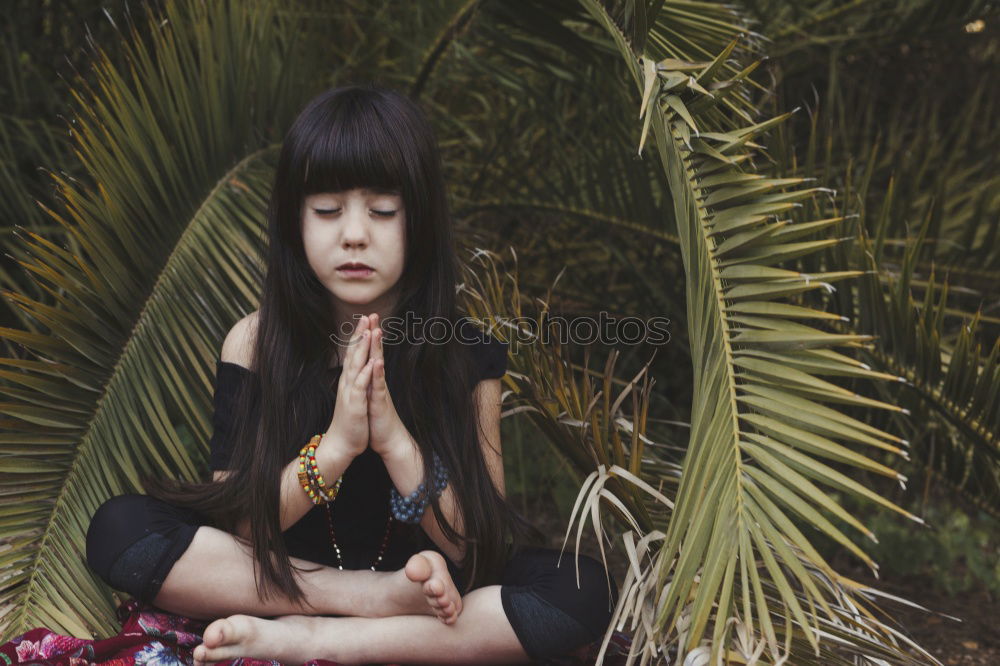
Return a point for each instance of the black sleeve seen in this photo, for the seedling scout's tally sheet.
(490, 353)
(493, 358)
(228, 378)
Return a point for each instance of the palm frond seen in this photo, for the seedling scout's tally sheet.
(920, 175)
(575, 407)
(119, 381)
(956, 385)
(731, 549)
(823, 24)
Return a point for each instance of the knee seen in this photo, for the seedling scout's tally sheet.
(114, 526)
(550, 613)
(597, 591)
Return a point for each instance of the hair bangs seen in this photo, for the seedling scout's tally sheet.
(356, 150)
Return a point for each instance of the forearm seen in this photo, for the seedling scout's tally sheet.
(405, 467)
(294, 503)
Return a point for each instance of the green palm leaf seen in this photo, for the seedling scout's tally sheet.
(594, 418)
(732, 564)
(920, 173)
(168, 239)
(958, 383)
(161, 258)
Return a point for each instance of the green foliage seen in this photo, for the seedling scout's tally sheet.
(959, 552)
(619, 143)
(537, 477)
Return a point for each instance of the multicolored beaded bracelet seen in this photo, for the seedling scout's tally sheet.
(310, 478)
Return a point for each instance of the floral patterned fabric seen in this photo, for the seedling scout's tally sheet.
(152, 637)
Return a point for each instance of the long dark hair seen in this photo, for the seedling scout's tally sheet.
(352, 137)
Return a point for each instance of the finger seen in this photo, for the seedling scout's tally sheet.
(366, 345)
(378, 378)
(381, 346)
(365, 332)
(377, 390)
(363, 378)
(352, 364)
(361, 354)
(377, 335)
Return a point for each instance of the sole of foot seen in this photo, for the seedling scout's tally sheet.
(429, 568)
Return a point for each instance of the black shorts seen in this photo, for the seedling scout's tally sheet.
(134, 540)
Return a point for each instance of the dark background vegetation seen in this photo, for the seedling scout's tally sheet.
(919, 79)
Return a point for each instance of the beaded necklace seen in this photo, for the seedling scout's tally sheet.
(336, 548)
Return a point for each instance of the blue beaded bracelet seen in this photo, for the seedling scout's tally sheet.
(411, 509)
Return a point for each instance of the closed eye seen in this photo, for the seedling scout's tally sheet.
(330, 211)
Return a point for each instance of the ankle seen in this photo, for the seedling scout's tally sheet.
(395, 594)
(349, 592)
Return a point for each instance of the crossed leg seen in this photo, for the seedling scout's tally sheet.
(419, 607)
(215, 577)
(480, 635)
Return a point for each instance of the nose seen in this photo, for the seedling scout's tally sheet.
(355, 229)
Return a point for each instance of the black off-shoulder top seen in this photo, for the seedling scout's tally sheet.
(362, 507)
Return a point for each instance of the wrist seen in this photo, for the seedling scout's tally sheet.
(398, 449)
(331, 455)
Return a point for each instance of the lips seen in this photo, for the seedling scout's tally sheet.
(354, 266)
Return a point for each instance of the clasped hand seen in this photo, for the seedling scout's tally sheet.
(364, 414)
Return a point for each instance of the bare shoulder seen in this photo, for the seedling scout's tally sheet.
(238, 346)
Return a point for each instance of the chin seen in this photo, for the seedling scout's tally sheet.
(355, 296)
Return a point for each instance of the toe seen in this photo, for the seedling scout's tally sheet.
(450, 611)
(221, 638)
(434, 587)
(418, 569)
(215, 635)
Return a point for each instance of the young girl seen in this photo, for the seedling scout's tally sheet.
(357, 494)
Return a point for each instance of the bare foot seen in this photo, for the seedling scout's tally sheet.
(408, 591)
(289, 639)
(429, 568)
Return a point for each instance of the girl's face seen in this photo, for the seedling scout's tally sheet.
(367, 226)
